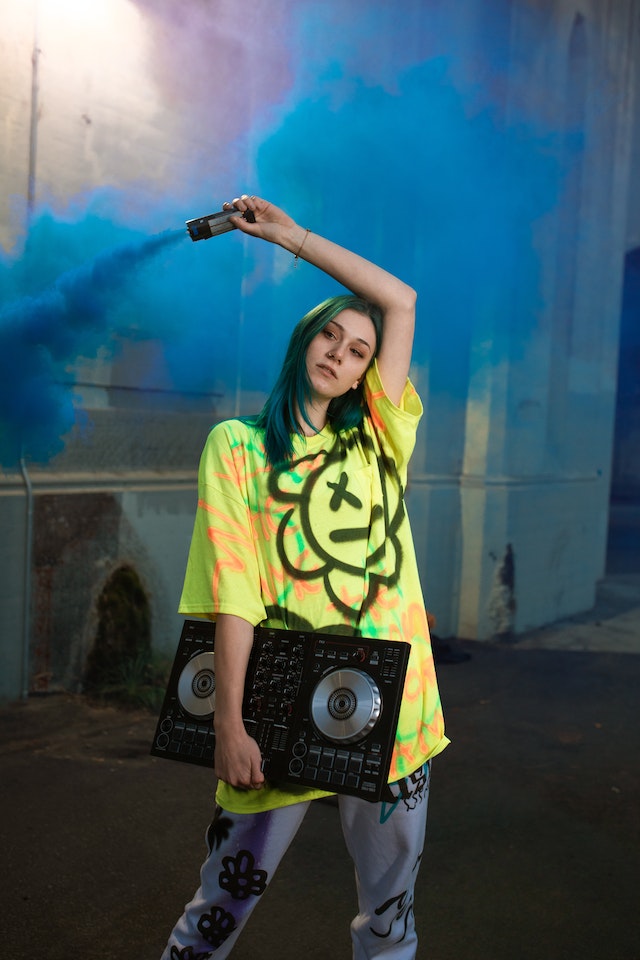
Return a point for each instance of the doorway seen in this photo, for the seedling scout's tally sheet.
(623, 546)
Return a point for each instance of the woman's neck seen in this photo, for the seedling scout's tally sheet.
(317, 415)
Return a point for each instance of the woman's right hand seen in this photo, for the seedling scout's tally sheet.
(271, 223)
(237, 758)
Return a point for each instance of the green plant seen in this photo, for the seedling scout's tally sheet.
(136, 681)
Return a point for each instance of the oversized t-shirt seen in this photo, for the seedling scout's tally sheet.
(322, 545)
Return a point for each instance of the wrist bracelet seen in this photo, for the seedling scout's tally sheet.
(297, 256)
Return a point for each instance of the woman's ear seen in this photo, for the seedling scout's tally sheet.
(356, 384)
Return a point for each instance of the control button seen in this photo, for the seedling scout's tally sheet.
(337, 779)
(342, 760)
(353, 781)
(299, 749)
(310, 773)
(324, 775)
(167, 725)
(162, 741)
(296, 767)
(328, 758)
(355, 763)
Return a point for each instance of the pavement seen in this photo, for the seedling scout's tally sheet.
(533, 841)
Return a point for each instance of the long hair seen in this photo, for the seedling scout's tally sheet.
(292, 390)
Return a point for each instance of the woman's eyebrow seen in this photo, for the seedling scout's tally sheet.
(359, 339)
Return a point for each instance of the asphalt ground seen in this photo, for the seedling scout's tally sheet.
(533, 839)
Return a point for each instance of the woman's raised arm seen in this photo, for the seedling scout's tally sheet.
(394, 297)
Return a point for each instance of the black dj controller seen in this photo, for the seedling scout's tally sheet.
(322, 707)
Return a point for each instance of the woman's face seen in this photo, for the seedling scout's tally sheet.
(338, 356)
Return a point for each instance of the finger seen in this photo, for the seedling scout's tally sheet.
(240, 209)
(258, 207)
(247, 201)
(241, 781)
(242, 212)
(257, 776)
(252, 206)
(257, 781)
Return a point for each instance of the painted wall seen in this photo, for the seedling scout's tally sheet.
(483, 153)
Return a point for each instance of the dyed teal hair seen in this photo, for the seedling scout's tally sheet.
(292, 389)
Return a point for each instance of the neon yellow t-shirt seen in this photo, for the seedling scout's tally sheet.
(323, 545)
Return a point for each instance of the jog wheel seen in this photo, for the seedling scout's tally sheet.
(346, 705)
(197, 686)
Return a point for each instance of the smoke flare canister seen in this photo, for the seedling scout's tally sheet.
(201, 228)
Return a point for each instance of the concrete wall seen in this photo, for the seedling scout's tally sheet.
(526, 463)
(81, 112)
(510, 481)
(14, 675)
(80, 538)
(126, 498)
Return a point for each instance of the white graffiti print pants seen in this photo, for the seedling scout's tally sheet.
(385, 841)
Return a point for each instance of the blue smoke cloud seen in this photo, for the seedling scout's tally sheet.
(446, 198)
(40, 334)
(388, 138)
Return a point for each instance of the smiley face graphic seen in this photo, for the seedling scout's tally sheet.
(339, 524)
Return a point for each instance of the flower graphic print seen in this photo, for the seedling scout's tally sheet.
(241, 878)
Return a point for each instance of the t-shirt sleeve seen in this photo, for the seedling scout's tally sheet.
(394, 426)
(222, 574)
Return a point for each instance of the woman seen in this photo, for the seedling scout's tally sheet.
(301, 524)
